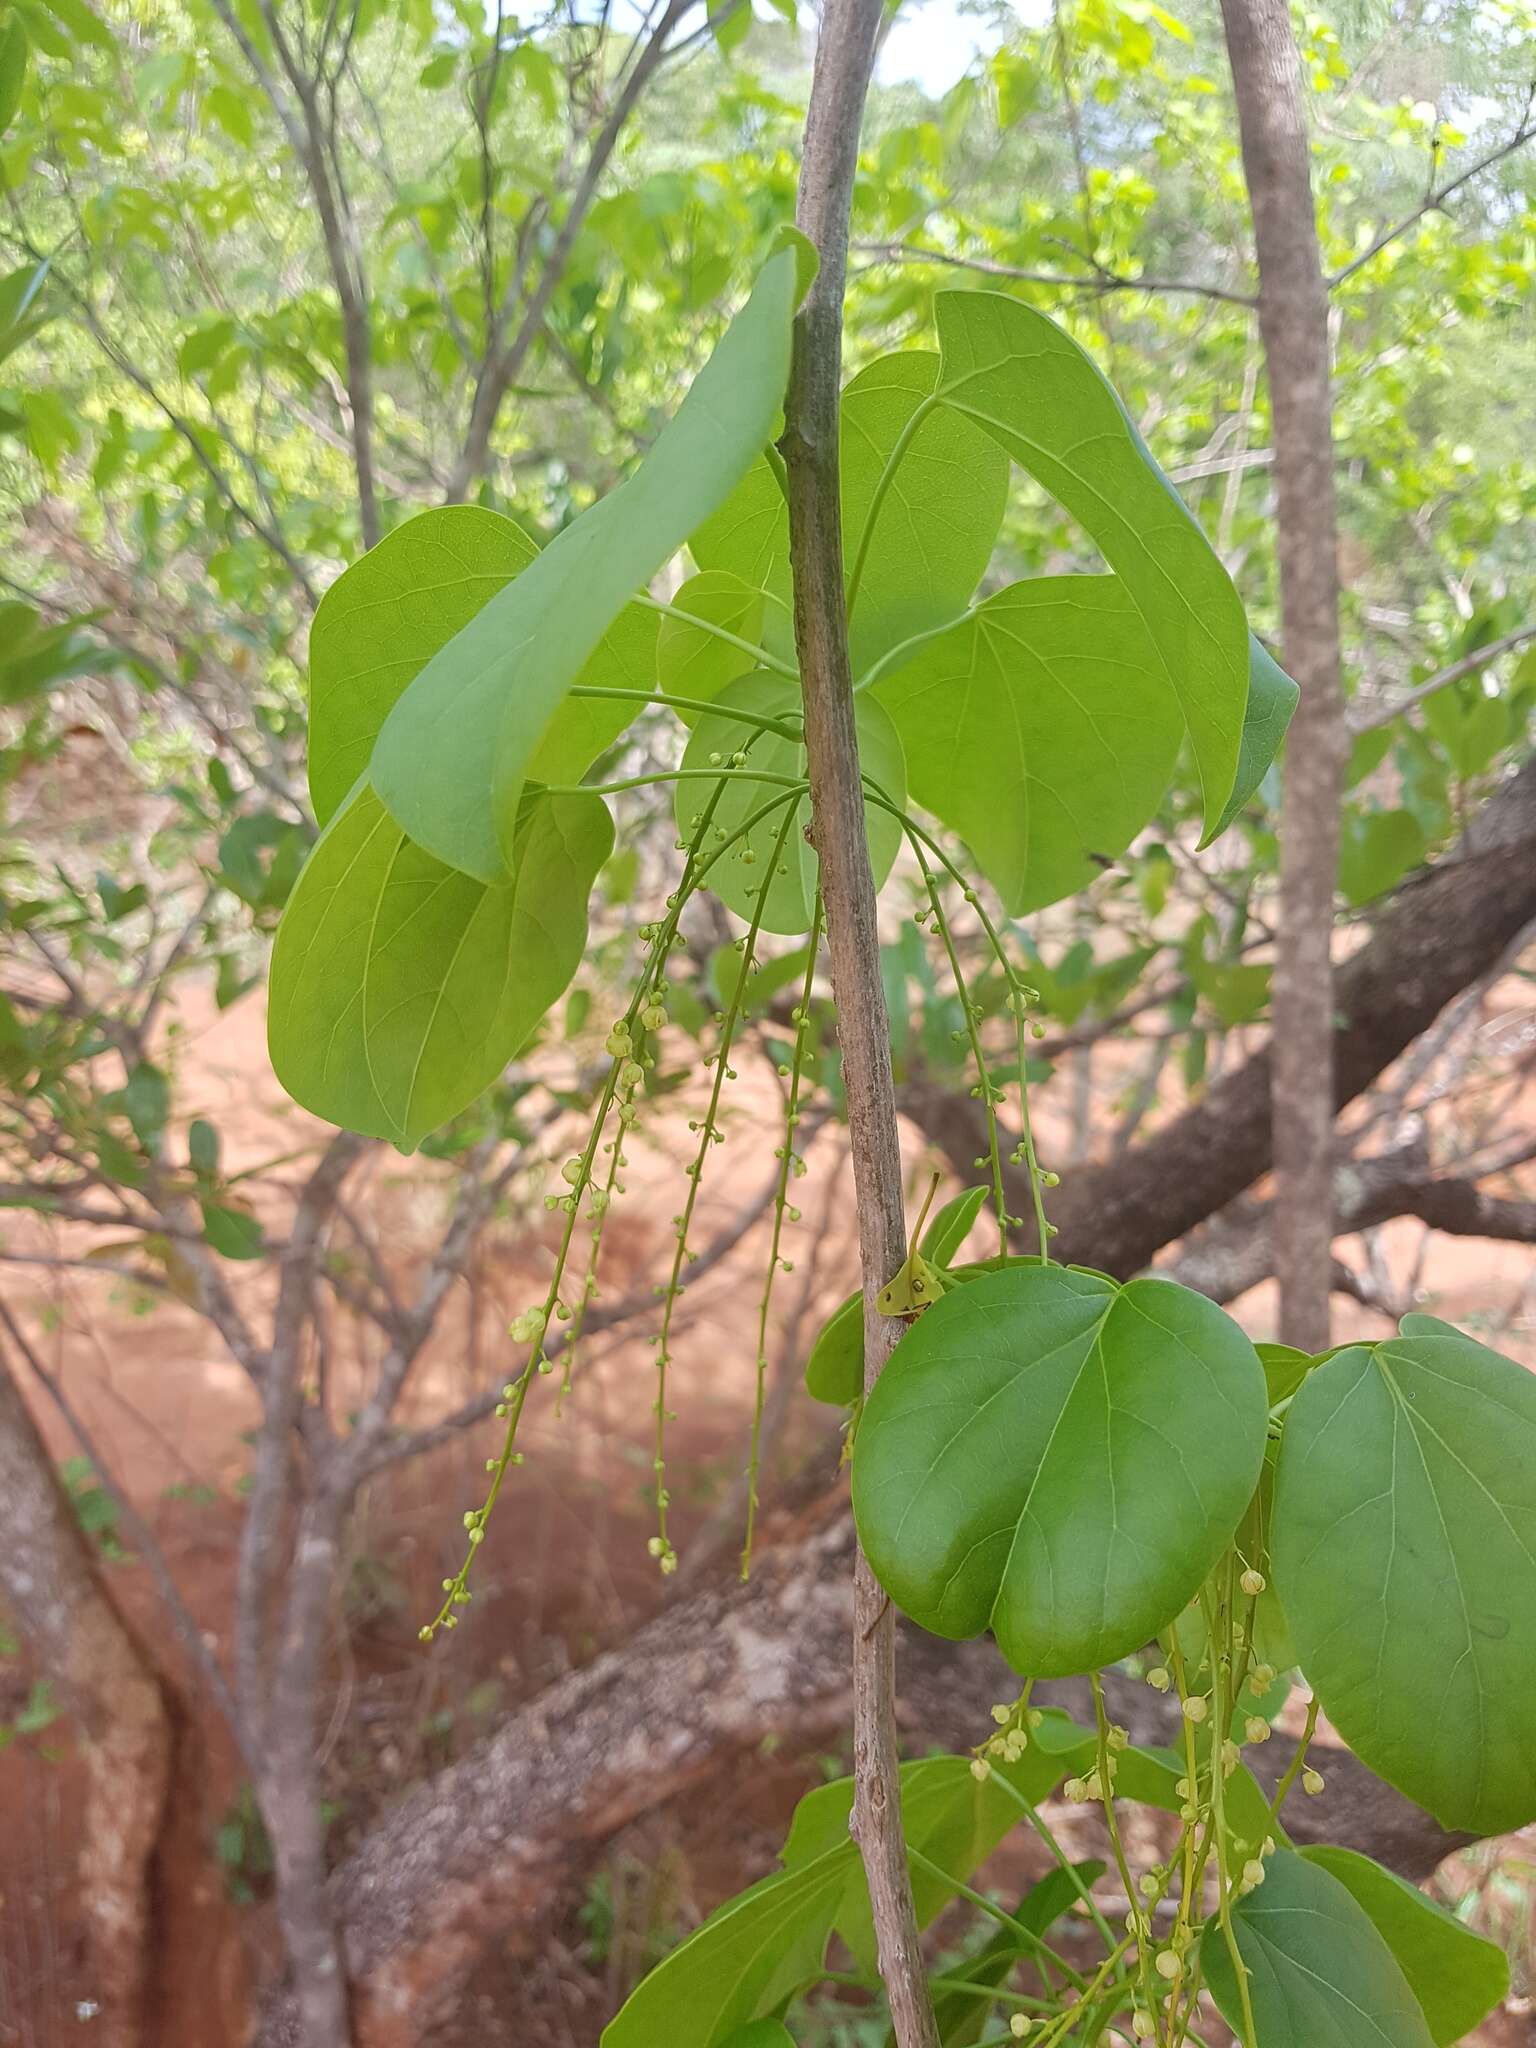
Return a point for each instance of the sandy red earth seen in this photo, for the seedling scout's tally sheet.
(569, 1567)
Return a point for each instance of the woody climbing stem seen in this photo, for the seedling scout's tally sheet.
(844, 59)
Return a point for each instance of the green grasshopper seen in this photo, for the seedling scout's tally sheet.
(916, 1285)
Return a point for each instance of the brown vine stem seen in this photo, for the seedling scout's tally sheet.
(844, 58)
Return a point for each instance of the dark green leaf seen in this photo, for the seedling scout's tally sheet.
(952, 1226)
(1404, 1551)
(202, 1147)
(146, 1103)
(1320, 1976)
(1272, 699)
(1059, 1459)
(1456, 1976)
(233, 1233)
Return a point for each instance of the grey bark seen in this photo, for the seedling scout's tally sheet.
(1293, 324)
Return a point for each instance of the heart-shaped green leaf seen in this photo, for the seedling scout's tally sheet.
(1060, 1459)
(923, 493)
(400, 987)
(1404, 1550)
(1320, 1976)
(1042, 730)
(738, 880)
(1456, 1976)
(454, 752)
(385, 618)
(1023, 379)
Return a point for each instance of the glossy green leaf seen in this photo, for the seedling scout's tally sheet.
(1022, 378)
(1042, 730)
(1456, 1976)
(923, 493)
(1059, 1459)
(1320, 1976)
(953, 1225)
(834, 1371)
(399, 605)
(400, 987)
(692, 661)
(791, 883)
(454, 752)
(1404, 1552)
(1284, 1369)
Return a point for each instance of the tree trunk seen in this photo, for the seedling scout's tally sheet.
(845, 55)
(1293, 324)
(51, 1582)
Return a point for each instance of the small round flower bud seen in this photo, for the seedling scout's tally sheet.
(1168, 1965)
(1311, 1781)
(1143, 2026)
(1196, 1708)
(981, 1770)
(1158, 1679)
(1253, 1583)
(1002, 1715)
(1256, 1728)
(1261, 1678)
(1019, 2025)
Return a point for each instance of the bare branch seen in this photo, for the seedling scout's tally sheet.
(1097, 279)
(1368, 718)
(1434, 199)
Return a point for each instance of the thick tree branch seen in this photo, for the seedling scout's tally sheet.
(845, 55)
(1438, 933)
